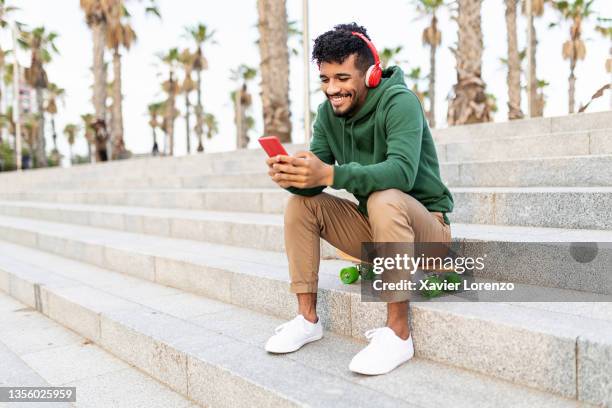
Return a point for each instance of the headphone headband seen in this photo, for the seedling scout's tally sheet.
(370, 46)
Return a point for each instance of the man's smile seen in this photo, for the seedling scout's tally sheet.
(338, 99)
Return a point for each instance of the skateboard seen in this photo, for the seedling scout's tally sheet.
(351, 274)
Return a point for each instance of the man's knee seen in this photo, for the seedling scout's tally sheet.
(385, 201)
(298, 209)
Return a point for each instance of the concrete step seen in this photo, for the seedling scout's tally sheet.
(525, 127)
(566, 171)
(38, 352)
(553, 207)
(538, 347)
(579, 143)
(212, 352)
(265, 232)
(170, 172)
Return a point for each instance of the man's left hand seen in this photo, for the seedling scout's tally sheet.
(302, 170)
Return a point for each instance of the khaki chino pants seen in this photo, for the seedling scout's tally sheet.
(393, 216)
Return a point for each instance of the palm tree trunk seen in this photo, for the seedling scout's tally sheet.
(432, 81)
(117, 109)
(70, 153)
(99, 90)
(532, 57)
(187, 126)
(274, 68)
(53, 133)
(237, 118)
(572, 85)
(469, 104)
(3, 129)
(40, 149)
(199, 112)
(154, 139)
(513, 79)
(170, 111)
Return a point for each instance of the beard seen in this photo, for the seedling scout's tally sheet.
(346, 112)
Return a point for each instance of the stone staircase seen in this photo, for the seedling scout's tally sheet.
(176, 266)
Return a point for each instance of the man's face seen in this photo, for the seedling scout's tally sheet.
(344, 86)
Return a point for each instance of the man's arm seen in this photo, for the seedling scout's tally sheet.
(305, 173)
(404, 127)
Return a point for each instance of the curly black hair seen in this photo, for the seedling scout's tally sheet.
(338, 44)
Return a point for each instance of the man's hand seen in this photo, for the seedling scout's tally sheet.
(302, 170)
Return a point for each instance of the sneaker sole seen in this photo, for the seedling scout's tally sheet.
(381, 373)
(297, 347)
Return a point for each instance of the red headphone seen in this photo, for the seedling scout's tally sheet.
(374, 72)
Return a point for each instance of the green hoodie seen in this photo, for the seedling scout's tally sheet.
(386, 144)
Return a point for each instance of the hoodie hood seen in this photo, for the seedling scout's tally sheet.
(391, 77)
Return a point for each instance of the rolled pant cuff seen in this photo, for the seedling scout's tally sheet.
(303, 287)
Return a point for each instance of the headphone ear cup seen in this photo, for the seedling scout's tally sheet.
(373, 76)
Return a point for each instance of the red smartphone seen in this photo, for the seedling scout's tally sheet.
(272, 146)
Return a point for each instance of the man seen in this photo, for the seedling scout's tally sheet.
(375, 129)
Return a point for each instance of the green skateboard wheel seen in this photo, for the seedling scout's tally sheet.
(452, 277)
(349, 275)
(432, 292)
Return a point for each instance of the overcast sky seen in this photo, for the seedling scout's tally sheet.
(234, 21)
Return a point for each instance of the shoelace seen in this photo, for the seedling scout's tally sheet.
(286, 324)
(371, 334)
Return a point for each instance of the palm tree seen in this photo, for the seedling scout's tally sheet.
(469, 102)
(212, 127)
(70, 131)
(2, 82)
(432, 37)
(155, 111)
(90, 136)
(387, 55)
(242, 100)
(274, 68)
(513, 78)
(4, 11)
(605, 28)
(537, 9)
(574, 49)
(54, 93)
(8, 123)
(31, 123)
(119, 34)
(201, 35)
(540, 97)
(414, 77)
(96, 13)
(171, 88)
(187, 59)
(41, 44)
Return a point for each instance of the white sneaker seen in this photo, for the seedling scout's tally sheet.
(294, 334)
(385, 352)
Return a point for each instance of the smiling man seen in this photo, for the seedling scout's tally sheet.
(370, 138)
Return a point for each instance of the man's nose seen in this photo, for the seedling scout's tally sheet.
(332, 88)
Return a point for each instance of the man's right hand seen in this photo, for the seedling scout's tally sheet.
(271, 161)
